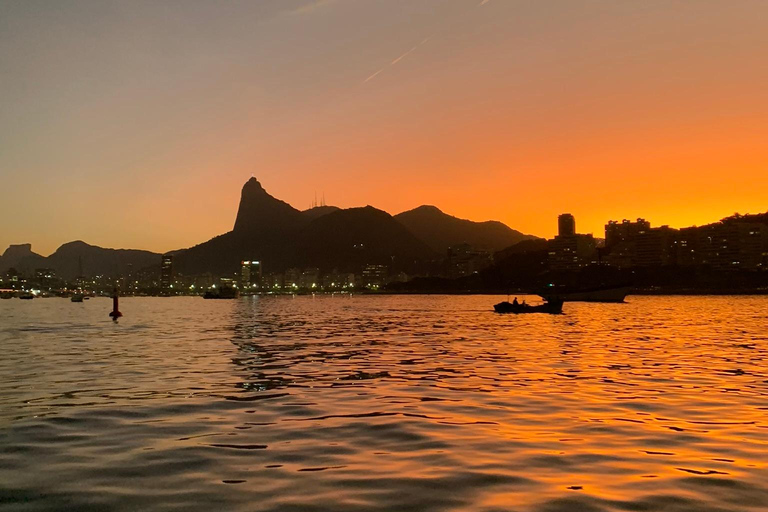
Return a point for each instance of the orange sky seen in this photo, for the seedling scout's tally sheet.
(134, 124)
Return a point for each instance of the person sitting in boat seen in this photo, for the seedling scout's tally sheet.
(524, 304)
(514, 302)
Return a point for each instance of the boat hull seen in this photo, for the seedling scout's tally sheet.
(221, 294)
(598, 295)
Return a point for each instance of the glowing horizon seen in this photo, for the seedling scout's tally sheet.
(135, 124)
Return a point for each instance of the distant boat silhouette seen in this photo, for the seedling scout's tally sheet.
(596, 294)
(26, 296)
(78, 297)
(224, 292)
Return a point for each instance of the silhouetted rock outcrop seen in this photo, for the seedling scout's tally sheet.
(263, 229)
(259, 213)
(20, 257)
(440, 230)
(280, 236)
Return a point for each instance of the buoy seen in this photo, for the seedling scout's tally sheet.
(115, 314)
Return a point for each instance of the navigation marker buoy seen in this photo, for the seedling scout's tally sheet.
(115, 314)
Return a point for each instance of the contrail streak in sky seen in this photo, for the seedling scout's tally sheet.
(398, 59)
(373, 75)
(404, 55)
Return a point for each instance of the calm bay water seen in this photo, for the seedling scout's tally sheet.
(384, 403)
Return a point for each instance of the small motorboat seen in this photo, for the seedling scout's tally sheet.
(78, 297)
(26, 296)
(554, 307)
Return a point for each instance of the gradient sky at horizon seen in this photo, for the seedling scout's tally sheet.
(135, 123)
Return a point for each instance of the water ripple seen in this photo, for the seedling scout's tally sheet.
(384, 403)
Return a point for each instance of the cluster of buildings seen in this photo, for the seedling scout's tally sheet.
(739, 242)
(165, 281)
(465, 259)
(45, 282)
(251, 279)
(13, 281)
(570, 250)
(294, 279)
(461, 260)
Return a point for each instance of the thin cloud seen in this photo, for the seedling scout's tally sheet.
(484, 2)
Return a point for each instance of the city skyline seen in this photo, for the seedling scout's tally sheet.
(728, 255)
(133, 124)
(573, 227)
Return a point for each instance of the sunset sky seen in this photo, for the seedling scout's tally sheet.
(135, 123)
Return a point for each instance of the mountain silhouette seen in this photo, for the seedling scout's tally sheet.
(524, 246)
(350, 238)
(264, 230)
(68, 259)
(440, 230)
(95, 260)
(280, 236)
(319, 211)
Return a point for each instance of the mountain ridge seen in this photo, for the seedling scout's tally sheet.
(270, 230)
(441, 230)
(69, 257)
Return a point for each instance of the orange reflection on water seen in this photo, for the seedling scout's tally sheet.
(394, 402)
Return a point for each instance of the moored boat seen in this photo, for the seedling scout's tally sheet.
(26, 296)
(601, 294)
(78, 297)
(224, 292)
(552, 307)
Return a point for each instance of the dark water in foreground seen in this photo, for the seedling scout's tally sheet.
(384, 403)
